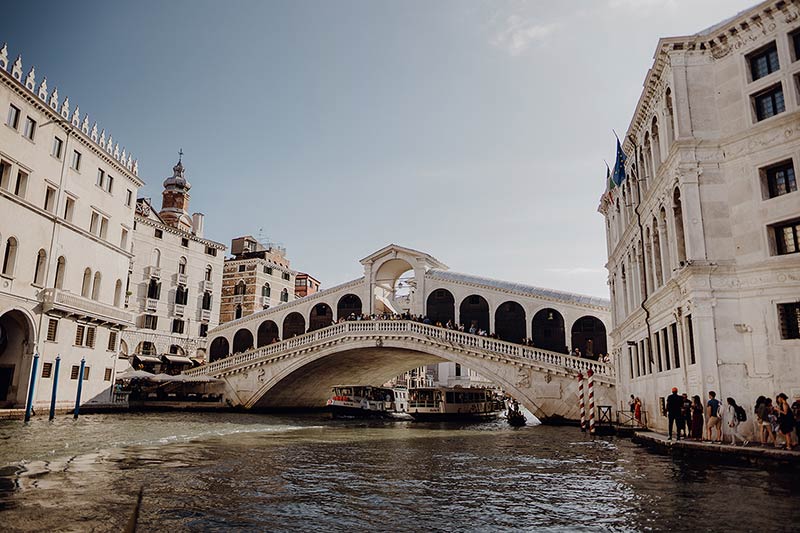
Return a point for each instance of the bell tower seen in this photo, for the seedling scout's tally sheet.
(175, 198)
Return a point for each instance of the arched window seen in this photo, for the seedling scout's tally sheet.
(209, 271)
(677, 213)
(656, 146)
(284, 295)
(265, 290)
(664, 235)
(648, 156)
(86, 285)
(41, 266)
(118, 293)
(207, 301)
(658, 274)
(670, 116)
(60, 269)
(154, 289)
(238, 312)
(181, 295)
(96, 286)
(240, 288)
(182, 265)
(10, 257)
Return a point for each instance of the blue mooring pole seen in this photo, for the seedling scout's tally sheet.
(80, 386)
(55, 388)
(29, 407)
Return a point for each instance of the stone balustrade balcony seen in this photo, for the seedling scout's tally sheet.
(74, 305)
(179, 310)
(154, 272)
(182, 279)
(151, 305)
(208, 285)
(205, 315)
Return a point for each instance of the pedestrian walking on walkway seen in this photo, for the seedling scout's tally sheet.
(674, 409)
(713, 416)
(697, 418)
(785, 420)
(736, 416)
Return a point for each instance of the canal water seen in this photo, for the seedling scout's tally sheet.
(251, 472)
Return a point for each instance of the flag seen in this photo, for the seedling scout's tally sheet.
(619, 165)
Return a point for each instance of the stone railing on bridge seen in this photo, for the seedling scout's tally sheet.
(367, 328)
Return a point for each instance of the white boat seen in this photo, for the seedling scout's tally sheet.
(456, 403)
(367, 401)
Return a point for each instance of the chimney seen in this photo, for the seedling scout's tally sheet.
(197, 224)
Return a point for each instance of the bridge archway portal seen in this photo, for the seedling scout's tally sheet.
(267, 333)
(395, 286)
(321, 316)
(242, 341)
(589, 336)
(509, 322)
(219, 349)
(349, 304)
(548, 331)
(294, 324)
(474, 312)
(441, 306)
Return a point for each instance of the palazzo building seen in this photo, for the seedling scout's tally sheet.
(67, 195)
(704, 231)
(175, 281)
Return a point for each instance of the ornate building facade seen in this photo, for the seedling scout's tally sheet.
(175, 281)
(704, 231)
(67, 194)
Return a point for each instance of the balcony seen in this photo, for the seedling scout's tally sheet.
(179, 310)
(72, 304)
(182, 279)
(265, 301)
(153, 272)
(238, 298)
(151, 305)
(205, 315)
(208, 285)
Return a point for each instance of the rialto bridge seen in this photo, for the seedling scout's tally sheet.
(292, 354)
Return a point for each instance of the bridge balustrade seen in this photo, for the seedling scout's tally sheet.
(459, 338)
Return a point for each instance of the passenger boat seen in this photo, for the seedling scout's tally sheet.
(457, 403)
(366, 401)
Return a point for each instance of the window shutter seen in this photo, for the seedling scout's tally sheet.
(79, 335)
(90, 337)
(74, 373)
(52, 329)
(112, 340)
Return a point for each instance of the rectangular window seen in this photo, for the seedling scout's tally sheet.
(109, 184)
(128, 197)
(204, 330)
(85, 373)
(69, 208)
(150, 322)
(5, 170)
(103, 227)
(74, 372)
(177, 326)
(76, 160)
(47, 370)
(101, 178)
(630, 357)
(90, 333)
(763, 62)
(123, 240)
(241, 268)
(107, 375)
(789, 317)
(58, 147)
(94, 224)
(665, 342)
(21, 184)
(211, 251)
(79, 331)
(787, 238)
(158, 234)
(781, 179)
(287, 276)
(690, 331)
(30, 128)
(13, 116)
(112, 341)
(660, 364)
(52, 329)
(184, 242)
(268, 270)
(769, 103)
(49, 199)
(676, 345)
(795, 37)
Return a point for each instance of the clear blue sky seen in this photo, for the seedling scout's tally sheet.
(475, 131)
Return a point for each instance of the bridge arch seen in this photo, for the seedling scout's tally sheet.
(267, 333)
(321, 316)
(242, 341)
(349, 304)
(589, 335)
(474, 311)
(548, 330)
(218, 349)
(509, 322)
(293, 324)
(441, 306)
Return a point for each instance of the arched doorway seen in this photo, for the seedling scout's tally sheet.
(294, 324)
(589, 336)
(268, 333)
(395, 286)
(548, 331)
(321, 316)
(474, 312)
(441, 306)
(242, 341)
(349, 304)
(219, 349)
(509, 322)
(16, 342)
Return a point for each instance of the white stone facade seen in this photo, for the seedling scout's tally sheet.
(703, 276)
(66, 214)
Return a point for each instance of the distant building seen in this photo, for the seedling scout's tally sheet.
(704, 231)
(255, 278)
(175, 281)
(67, 197)
(305, 284)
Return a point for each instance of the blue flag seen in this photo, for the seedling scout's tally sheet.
(619, 165)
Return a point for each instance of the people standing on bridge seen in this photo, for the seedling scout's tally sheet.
(697, 418)
(632, 405)
(674, 409)
(637, 410)
(713, 415)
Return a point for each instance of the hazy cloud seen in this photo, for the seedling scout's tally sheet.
(517, 34)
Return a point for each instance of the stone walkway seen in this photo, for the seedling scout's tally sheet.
(752, 453)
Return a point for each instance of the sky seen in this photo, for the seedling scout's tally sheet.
(472, 130)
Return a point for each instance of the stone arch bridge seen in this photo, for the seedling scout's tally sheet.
(290, 355)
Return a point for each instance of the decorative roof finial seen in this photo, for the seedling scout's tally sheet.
(180, 155)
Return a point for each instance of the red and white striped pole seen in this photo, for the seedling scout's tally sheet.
(590, 376)
(581, 403)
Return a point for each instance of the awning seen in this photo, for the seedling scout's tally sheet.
(176, 359)
(147, 359)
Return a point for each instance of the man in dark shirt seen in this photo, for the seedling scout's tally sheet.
(674, 407)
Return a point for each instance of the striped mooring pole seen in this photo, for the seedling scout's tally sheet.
(590, 376)
(581, 403)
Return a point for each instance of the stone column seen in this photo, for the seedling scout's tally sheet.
(694, 234)
(663, 241)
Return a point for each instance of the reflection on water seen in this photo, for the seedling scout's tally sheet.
(222, 472)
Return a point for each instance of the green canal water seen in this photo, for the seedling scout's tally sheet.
(252, 472)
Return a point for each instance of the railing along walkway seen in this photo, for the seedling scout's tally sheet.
(411, 329)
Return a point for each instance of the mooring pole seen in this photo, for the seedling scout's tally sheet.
(55, 388)
(29, 406)
(581, 404)
(80, 386)
(590, 375)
